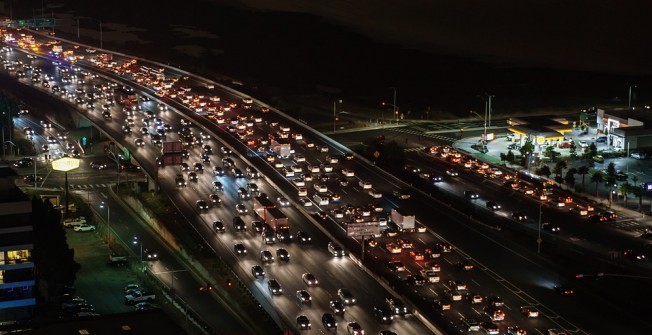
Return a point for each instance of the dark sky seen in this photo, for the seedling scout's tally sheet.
(600, 35)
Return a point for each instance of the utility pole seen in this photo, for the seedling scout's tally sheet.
(539, 240)
(489, 96)
(629, 103)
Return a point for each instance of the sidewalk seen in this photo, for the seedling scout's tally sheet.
(495, 147)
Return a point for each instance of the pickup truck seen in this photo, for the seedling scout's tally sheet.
(74, 222)
(139, 296)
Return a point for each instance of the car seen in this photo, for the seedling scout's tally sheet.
(415, 280)
(31, 179)
(305, 202)
(471, 195)
(304, 238)
(201, 205)
(474, 298)
(465, 265)
(396, 266)
(634, 255)
(564, 290)
(375, 194)
(218, 226)
(494, 313)
(274, 287)
(309, 279)
(240, 249)
(402, 194)
(442, 305)
(84, 227)
(337, 307)
(303, 322)
(393, 248)
(98, 165)
(417, 255)
(489, 328)
(71, 302)
(383, 314)
(530, 311)
(336, 249)
(452, 172)
(346, 296)
(282, 255)
(149, 254)
(493, 206)
(240, 209)
(214, 199)
(495, 301)
(365, 185)
(328, 320)
(304, 297)
(551, 228)
(431, 276)
(518, 216)
(354, 328)
(470, 325)
(453, 295)
(516, 330)
(638, 155)
(258, 272)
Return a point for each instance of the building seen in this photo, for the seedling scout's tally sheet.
(626, 129)
(17, 284)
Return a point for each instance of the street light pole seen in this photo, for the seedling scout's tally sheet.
(395, 108)
(335, 112)
(539, 240)
(108, 222)
(629, 103)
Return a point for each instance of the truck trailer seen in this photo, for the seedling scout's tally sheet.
(404, 220)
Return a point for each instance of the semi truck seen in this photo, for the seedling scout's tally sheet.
(268, 212)
(404, 220)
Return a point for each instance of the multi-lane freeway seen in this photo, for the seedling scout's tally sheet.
(500, 269)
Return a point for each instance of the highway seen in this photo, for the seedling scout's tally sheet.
(450, 226)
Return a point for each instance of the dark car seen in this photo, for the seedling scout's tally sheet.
(150, 254)
(634, 255)
(240, 249)
(493, 206)
(383, 314)
(258, 272)
(564, 290)
(218, 226)
(337, 307)
(518, 216)
(30, 179)
(304, 238)
(471, 195)
(328, 320)
(303, 322)
(238, 224)
(282, 255)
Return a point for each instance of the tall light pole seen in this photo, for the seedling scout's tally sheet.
(489, 96)
(629, 103)
(394, 105)
(136, 241)
(484, 137)
(108, 222)
(335, 112)
(539, 240)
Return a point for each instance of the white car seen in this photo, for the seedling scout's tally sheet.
(430, 275)
(348, 173)
(302, 191)
(365, 185)
(298, 182)
(327, 168)
(299, 158)
(375, 194)
(84, 227)
(305, 202)
(321, 188)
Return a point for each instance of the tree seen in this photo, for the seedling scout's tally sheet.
(597, 178)
(573, 150)
(625, 188)
(551, 153)
(583, 171)
(503, 157)
(560, 166)
(526, 150)
(639, 193)
(510, 156)
(590, 151)
(611, 173)
(570, 177)
(53, 258)
(544, 170)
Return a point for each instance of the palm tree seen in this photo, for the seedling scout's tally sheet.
(583, 170)
(597, 178)
(638, 192)
(560, 166)
(625, 188)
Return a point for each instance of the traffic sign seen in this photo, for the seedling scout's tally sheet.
(35, 23)
(376, 154)
(361, 229)
(83, 141)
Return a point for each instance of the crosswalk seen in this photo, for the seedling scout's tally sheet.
(84, 186)
(414, 149)
(419, 133)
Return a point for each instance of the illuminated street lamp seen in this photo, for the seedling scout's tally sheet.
(65, 164)
(108, 222)
(135, 242)
(335, 112)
